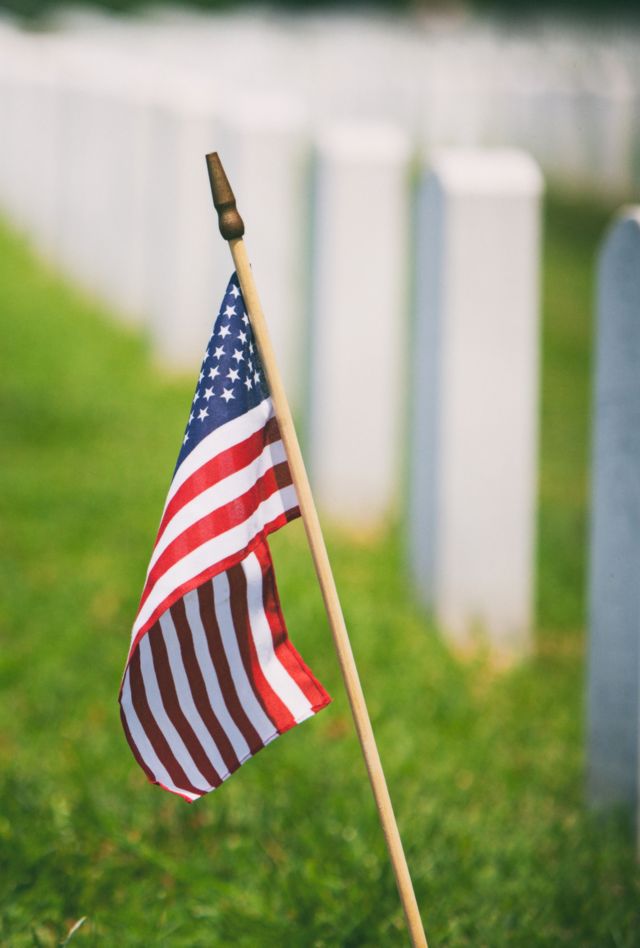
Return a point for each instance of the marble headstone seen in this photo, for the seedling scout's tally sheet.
(474, 417)
(359, 315)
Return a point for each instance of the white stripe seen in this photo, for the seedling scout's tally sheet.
(163, 720)
(185, 698)
(263, 725)
(274, 671)
(212, 684)
(144, 745)
(235, 485)
(219, 440)
(214, 551)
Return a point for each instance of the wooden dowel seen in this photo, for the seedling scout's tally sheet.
(232, 229)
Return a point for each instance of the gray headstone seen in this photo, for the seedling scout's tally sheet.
(614, 653)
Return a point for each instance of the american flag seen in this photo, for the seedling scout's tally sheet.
(211, 675)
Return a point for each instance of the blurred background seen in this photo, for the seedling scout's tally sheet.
(427, 189)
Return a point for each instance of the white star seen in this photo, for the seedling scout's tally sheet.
(230, 311)
(250, 365)
(237, 355)
(256, 377)
(186, 438)
(227, 394)
(224, 331)
(218, 353)
(196, 397)
(202, 414)
(200, 377)
(190, 418)
(248, 383)
(245, 319)
(233, 374)
(213, 372)
(251, 348)
(208, 393)
(242, 336)
(235, 291)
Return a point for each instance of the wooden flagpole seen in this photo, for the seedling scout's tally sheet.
(232, 229)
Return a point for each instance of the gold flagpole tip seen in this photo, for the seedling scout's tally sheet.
(229, 221)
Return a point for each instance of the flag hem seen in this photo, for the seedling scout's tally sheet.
(249, 756)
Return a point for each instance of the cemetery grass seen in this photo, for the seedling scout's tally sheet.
(485, 766)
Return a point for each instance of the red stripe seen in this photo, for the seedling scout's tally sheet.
(198, 687)
(221, 665)
(212, 571)
(218, 522)
(272, 705)
(288, 656)
(217, 468)
(174, 709)
(153, 732)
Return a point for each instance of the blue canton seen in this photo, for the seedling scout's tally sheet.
(231, 380)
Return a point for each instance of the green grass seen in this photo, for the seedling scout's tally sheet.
(573, 235)
(485, 769)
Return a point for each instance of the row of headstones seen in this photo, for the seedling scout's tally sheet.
(614, 596)
(568, 97)
(471, 417)
(116, 191)
(571, 100)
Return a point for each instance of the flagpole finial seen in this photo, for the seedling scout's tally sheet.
(229, 221)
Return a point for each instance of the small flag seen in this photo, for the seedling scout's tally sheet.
(211, 675)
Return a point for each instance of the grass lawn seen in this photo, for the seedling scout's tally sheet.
(485, 769)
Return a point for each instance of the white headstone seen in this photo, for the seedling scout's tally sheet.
(614, 650)
(83, 186)
(126, 166)
(29, 102)
(188, 265)
(475, 403)
(263, 148)
(614, 104)
(359, 313)
(23, 79)
(103, 171)
(99, 214)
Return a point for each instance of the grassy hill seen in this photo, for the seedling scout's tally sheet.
(485, 768)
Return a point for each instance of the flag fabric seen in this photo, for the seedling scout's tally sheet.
(211, 676)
